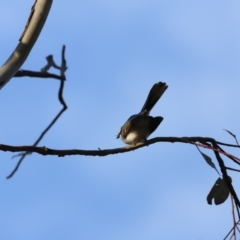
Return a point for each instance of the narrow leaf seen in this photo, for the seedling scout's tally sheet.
(208, 160)
(233, 135)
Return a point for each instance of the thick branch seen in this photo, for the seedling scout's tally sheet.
(33, 28)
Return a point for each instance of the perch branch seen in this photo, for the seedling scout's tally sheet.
(105, 152)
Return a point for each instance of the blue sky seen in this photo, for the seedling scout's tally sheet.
(116, 50)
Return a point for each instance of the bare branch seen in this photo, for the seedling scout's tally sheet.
(233, 169)
(36, 74)
(99, 152)
(44, 71)
(63, 68)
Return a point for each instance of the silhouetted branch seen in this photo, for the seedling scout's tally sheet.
(233, 169)
(204, 142)
(36, 74)
(99, 152)
(62, 68)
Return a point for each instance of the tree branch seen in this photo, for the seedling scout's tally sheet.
(36, 74)
(35, 23)
(105, 152)
(62, 68)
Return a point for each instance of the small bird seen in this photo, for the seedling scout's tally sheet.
(139, 126)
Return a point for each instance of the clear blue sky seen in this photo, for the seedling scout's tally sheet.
(116, 50)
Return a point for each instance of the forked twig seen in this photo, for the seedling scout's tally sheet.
(62, 68)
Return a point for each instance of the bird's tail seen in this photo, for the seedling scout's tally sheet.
(154, 95)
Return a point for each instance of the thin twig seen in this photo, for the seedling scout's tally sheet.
(62, 102)
(234, 219)
(36, 74)
(233, 169)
